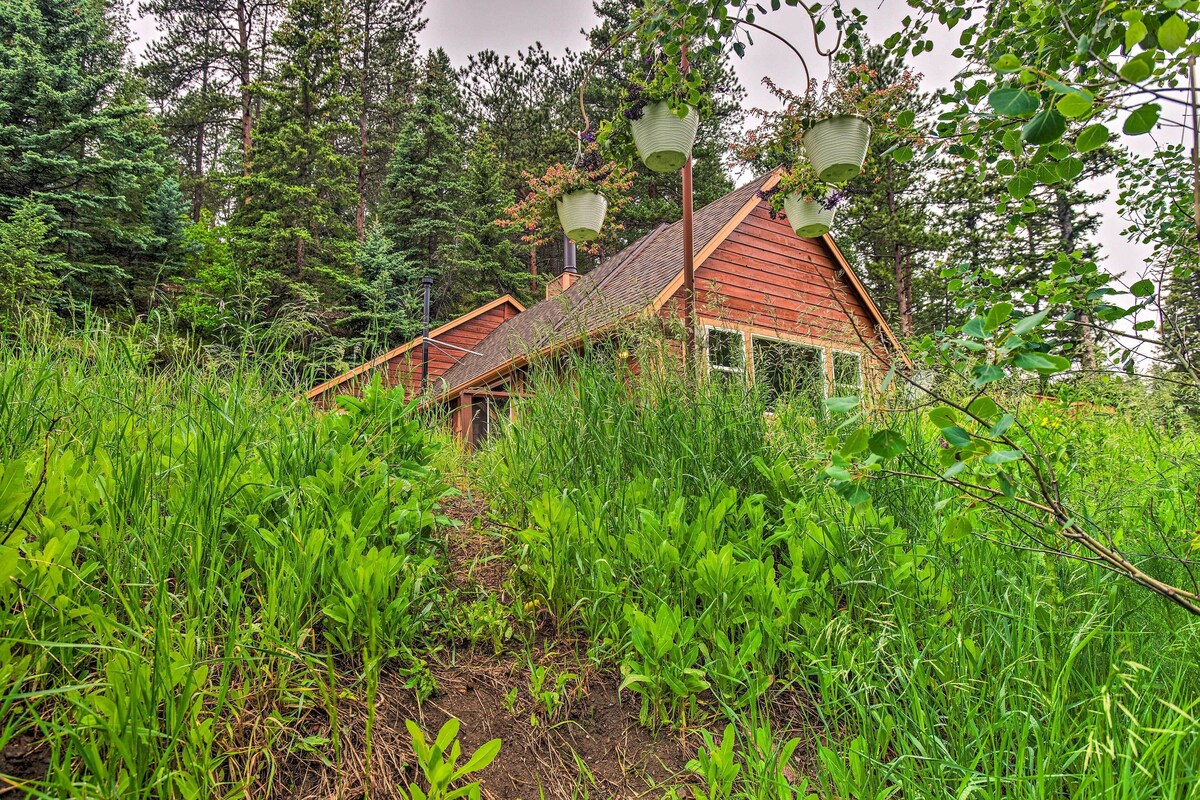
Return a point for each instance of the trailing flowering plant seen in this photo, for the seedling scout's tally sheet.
(857, 92)
(801, 179)
(536, 214)
(659, 79)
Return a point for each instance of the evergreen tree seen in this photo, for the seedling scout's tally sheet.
(887, 223)
(29, 263)
(424, 184)
(76, 139)
(300, 194)
(389, 311)
(485, 263)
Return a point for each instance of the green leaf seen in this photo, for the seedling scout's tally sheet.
(1091, 138)
(887, 444)
(1021, 184)
(976, 328)
(855, 442)
(1143, 288)
(837, 473)
(997, 315)
(1014, 102)
(1006, 166)
(1070, 168)
(1048, 126)
(902, 155)
(841, 405)
(1134, 34)
(1075, 105)
(956, 529)
(1172, 34)
(983, 407)
(1042, 362)
(482, 757)
(942, 416)
(1027, 324)
(1142, 120)
(985, 374)
(1007, 63)
(906, 118)
(1002, 457)
(1002, 426)
(1136, 70)
(956, 436)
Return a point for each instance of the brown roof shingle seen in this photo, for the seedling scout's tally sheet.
(620, 287)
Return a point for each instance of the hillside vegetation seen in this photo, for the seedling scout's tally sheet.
(207, 583)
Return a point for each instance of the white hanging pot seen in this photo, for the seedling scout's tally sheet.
(582, 214)
(663, 140)
(810, 219)
(837, 147)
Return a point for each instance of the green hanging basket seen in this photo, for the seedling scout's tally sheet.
(664, 140)
(810, 219)
(582, 214)
(837, 147)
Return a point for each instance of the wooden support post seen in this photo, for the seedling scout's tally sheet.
(689, 270)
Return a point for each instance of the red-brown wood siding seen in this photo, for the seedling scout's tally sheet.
(405, 368)
(765, 279)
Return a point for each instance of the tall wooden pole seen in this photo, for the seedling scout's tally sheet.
(689, 269)
(689, 266)
(426, 285)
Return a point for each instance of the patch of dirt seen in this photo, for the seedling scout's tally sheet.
(594, 747)
(23, 758)
(476, 548)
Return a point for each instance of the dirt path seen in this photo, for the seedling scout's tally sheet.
(584, 742)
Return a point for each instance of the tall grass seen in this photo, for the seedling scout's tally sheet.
(184, 552)
(694, 540)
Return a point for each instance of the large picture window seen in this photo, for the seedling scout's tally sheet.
(726, 353)
(847, 373)
(789, 369)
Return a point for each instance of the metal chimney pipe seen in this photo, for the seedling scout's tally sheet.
(426, 286)
(568, 256)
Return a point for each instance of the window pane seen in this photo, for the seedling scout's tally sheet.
(725, 349)
(784, 369)
(847, 374)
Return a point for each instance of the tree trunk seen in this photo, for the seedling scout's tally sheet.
(244, 84)
(364, 87)
(901, 268)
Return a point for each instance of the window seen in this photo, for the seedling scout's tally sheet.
(847, 373)
(789, 369)
(726, 353)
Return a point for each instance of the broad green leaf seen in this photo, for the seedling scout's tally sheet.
(1001, 427)
(1143, 288)
(1021, 184)
(482, 757)
(985, 374)
(976, 327)
(1091, 138)
(1006, 166)
(1007, 63)
(1002, 457)
(942, 416)
(837, 473)
(1075, 104)
(1027, 324)
(1172, 34)
(841, 405)
(906, 118)
(1070, 168)
(1142, 120)
(887, 444)
(1014, 102)
(997, 315)
(1134, 33)
(1136, 70)
(1042, 362)
(856, 442)
(956, 529)
(1046, 127)
(902, 155)
(983, 407)
(956, 436)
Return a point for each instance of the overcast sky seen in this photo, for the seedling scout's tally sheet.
(463, 27)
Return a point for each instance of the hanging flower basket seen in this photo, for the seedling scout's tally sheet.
(837, 147)
(582, 214)
(810, 219)
(663, 139)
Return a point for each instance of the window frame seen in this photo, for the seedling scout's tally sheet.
(826, 365)
(833, 381)
(742, 370)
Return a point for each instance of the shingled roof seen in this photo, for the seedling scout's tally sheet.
(619, 287)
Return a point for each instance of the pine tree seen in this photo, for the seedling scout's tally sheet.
(76, 139)
(300, 194)
(390, 310)
(424, 183)
(29, 263)
(380, 75)
(887, 223)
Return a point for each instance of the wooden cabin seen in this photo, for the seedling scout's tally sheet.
(770, 306)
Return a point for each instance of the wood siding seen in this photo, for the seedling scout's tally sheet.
(765, 280)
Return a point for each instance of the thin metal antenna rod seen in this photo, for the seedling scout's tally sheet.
(426, 286)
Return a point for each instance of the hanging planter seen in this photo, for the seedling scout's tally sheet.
(837, 147)
(663, 139)
(576, 196)
(810, 219)
(582, 214)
